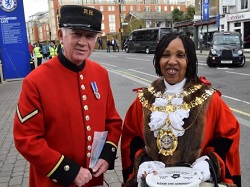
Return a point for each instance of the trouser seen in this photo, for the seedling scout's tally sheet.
(39, 61)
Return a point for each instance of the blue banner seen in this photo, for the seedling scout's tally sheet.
(205, 10)
(14, 50)
(218, 20)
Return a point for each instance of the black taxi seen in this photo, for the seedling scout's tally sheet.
(226, 49)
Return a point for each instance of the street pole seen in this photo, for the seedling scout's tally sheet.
(120, 17)
(201, 38)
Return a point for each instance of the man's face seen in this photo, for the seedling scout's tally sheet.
(77, 44)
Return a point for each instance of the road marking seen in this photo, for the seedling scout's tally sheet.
(143, 73)
(139, 59)
(237, 73)
(232, 98)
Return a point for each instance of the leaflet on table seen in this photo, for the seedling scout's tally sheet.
(97, 146)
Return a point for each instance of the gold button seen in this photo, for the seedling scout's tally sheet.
(89, 138)
(89, 147)
(84, 97)
(54, 180)
(88, 128)
(81, 77)
(89, 154)
(113, 149)
(86, 107)
(87, 117)
(66, 168)
(82, 87)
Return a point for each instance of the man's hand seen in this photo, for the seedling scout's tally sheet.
(100, 167)
(83, 177)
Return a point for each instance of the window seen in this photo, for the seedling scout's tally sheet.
(224, 9)
(138, 8)
(172, 8)
(147, 9)
(244, 4)
(123, 8)
(131, 8)
(101, 8)
(166, 8)
(112, 27)
(111, 18)
(103, 26)
(238, 24)
(111, 8)
(158, 8)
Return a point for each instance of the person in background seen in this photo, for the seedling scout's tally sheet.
(117, 44)
(44, 51)
(59, 47)
(31, 49)
(179, 120)
(100, 44)
(113, 44)
(52, 49)
(108, 45)
(63, 103)
(38, 53)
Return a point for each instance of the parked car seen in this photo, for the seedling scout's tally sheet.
(145, 40)
(226, 49)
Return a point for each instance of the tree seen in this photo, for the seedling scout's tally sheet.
(132, 25)
(190, 12)
(177, 15)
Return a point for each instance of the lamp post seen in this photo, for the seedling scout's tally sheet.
(120, 17)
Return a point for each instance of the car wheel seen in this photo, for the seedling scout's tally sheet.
(126, 50)
(147, 50)
(243, 62)
(209, 63)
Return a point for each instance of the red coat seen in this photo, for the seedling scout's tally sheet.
(221, 136)
(57, 114)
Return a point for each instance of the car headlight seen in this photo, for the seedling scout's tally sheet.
(240, 52)
(213, 51)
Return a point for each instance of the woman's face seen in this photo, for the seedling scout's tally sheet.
(78, 44)
(173, 62)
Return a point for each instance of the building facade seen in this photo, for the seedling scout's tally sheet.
(114, 12)
(235, 16)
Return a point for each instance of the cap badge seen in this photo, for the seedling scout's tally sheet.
(95, 90)
(88, 11)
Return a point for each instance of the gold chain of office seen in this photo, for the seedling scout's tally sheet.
(171, 108)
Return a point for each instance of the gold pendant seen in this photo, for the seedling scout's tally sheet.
(166, 142)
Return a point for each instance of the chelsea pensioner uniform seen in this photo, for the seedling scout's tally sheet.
(210, 129)
(56, 116)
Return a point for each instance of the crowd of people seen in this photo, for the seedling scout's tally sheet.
(179, 120)
(44, 51)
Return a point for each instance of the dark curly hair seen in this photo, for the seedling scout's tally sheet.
(191, 72)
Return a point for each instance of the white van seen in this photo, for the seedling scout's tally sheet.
(145, 40)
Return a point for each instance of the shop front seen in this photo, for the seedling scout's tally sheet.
(239, 22)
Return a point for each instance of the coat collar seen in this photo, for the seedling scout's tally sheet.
(69, 65)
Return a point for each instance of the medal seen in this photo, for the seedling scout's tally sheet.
(166, 142)
(95, 90)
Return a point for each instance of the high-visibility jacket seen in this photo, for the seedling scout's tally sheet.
(53, 51)
(37, 52)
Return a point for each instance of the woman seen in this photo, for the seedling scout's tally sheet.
(180, 120)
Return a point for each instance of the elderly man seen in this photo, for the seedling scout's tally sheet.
(61, 106)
